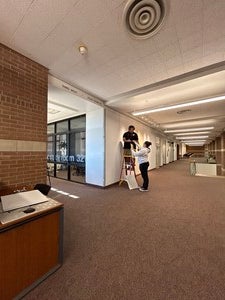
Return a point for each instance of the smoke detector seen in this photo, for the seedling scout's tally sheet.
(143, 18)
(83, 49)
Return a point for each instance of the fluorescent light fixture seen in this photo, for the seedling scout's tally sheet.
(193, 142)
(192, 137)
(192, 133)
(203, 101)
(188, 129)
(199, 145)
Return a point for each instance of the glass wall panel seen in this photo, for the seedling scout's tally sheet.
(66, 149)
(62, 126)
(78, 124)
(51, 128)
(50, 167)
(77, 156)
(61, 147)
(51, 154)
(51, 148)
(62, 171)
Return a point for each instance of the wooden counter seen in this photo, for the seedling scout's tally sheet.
(31, 248)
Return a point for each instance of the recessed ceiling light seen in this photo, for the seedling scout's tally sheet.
(203, 101)
(188, 129)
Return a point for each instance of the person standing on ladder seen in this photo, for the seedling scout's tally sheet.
(142, 155)
(129, 138)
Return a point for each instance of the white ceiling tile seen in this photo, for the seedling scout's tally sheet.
(172, 50)
(93, 40)
(166, 36)
(175, 71)
(42, 17)
(143, 48)
(213, 58)
(192, 54)
(211, 34)
(213, 13)
(113, 4)
(68, 59)
(101, 71)
(192, 41)
(11, 14)
(193, 64)
(153, 60)
(48, 53)
(174, 62)
(92, 12)
(185, 29)
(212, 47)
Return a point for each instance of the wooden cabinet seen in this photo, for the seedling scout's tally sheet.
(30, 250)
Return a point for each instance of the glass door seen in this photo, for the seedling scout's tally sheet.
(61, 157)
(77, 156)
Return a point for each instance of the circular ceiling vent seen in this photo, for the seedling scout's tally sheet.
(143, 18)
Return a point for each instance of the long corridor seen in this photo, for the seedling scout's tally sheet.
(119, 244)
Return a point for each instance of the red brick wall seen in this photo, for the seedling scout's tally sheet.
(23, 116)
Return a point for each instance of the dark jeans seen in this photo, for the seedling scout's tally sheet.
(144, 173)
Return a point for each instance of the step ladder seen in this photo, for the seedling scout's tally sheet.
(127, 166)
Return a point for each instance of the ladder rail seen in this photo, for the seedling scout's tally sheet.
(127, 165)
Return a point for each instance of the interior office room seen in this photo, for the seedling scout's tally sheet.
(74, 75)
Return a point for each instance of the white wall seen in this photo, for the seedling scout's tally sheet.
(183, 149)
(95, 145)
(163, 151)
(116, 125)
(167, 152)
(175, 151)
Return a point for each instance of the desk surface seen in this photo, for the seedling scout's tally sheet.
(18, 215)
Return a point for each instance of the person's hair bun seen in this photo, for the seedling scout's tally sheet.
(147, 143)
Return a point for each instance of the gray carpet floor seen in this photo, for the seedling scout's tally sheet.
(168, 243)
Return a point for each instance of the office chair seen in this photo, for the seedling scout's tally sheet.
(43, 188)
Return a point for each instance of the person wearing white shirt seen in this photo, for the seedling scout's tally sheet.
(142, 156)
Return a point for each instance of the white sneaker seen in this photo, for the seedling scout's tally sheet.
(143, 190)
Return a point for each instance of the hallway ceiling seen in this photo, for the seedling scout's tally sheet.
(128, 74)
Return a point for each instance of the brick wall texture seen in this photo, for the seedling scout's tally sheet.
(23, 116)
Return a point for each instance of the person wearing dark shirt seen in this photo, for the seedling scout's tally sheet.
(129, 137)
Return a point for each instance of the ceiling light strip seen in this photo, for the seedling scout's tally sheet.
(194, 142)
(192, 137)
(192, 133)
(188, 129)
(214, 99)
